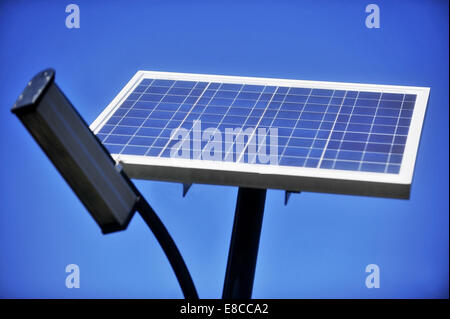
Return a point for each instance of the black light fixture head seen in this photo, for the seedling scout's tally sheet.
(76, 152)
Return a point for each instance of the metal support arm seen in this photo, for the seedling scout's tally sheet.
(170, 249)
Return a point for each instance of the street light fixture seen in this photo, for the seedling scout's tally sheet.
(104, 189)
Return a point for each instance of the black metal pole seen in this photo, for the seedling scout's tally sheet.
(170, 249)
(244, 244)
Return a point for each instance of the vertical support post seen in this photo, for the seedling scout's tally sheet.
(244, 243)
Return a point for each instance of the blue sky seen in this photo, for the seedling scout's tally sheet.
(316, 247)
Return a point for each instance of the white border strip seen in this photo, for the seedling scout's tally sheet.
(409, 156)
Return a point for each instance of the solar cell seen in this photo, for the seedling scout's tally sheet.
(320, 126)
(312, 121)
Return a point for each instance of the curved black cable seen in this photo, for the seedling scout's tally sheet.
(170, 249)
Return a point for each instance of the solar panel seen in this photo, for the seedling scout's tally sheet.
(267, 133)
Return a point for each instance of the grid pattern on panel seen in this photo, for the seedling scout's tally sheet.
(318, 128)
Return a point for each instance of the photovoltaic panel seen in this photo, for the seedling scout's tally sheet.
(325, 131)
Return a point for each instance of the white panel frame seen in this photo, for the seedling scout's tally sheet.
(257, 175)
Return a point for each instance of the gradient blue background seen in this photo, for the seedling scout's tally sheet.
(317, 246)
